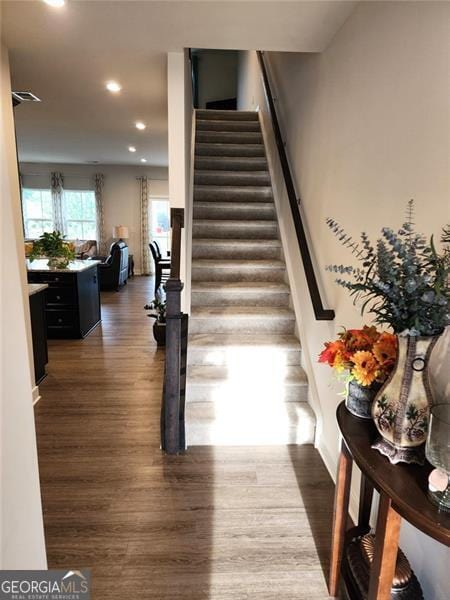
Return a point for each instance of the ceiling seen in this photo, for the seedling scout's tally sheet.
(66, 55)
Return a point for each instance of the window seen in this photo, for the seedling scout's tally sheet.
(160, 223)
(79, 215)
(37, 212)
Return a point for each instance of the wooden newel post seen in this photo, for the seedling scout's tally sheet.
(171, 407)
(171, 432)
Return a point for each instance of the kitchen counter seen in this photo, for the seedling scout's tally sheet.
(75, 266)
(37, 299)
(35, 288)
(72, 298)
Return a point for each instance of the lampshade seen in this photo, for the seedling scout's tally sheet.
(121, 232)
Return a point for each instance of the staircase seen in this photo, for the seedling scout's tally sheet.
(245, 384)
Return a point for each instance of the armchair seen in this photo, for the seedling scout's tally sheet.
(113, 270)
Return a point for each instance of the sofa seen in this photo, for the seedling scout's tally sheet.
(83, 248)
(113, 269)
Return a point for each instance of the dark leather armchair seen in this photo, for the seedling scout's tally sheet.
(113, 270)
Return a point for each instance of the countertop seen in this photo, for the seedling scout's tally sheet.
(35, 288)
(75, 266)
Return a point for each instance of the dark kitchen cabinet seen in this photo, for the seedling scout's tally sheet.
(72, 307)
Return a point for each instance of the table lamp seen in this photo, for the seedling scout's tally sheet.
(120, 232)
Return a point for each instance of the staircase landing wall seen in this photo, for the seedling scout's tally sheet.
(367, 126)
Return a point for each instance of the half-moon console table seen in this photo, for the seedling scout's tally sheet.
(403, 494)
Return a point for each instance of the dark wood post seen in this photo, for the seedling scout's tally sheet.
(172, 412)
(171, 405)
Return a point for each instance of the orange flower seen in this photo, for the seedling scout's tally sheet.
(359, 339)
(328, 355)
(385, 349)
(366, 367)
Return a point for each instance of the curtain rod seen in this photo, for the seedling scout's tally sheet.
(81, 176)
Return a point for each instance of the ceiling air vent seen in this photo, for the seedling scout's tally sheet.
(25, 97)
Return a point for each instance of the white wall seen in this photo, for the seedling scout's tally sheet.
(179, 99)
(217, 75)
(22, 534)
(367, 128)
(121, 192)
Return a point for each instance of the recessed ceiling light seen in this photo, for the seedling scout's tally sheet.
(131, 149)
(113, 86)
(140, 125)
(55, 3)
(143, 160)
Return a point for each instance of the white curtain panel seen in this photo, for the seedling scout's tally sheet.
(57, 187)
(99, 181)
(145, 237)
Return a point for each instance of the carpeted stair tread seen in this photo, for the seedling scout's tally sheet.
(237, 193)
(237, 286)
(243, 249)
(207, 375)
(231, 163)
(226, 115)
(229, 137)
(242, 264)
(232, 178)
(234, 210)
(226, 125)
(216, 149)
(236, 340)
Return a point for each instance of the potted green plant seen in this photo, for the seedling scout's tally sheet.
(159, 314)
(54, 247)
(403, 281)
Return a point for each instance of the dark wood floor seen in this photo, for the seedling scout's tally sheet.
(216, 524)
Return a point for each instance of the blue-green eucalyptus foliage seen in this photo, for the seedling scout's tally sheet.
(401, 279)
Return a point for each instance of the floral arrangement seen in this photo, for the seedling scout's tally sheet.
(402, 279)
(368, 354)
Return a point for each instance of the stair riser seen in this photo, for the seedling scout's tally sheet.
(238, 150)
(236, 274)
(231, 137)
(226, 115)
(263, 231)
(259, 251)
(212, 392)
(234, 211)
(289, 426)
(220, 358)
(240, 325)
(212, 125)
(233, 178)
(242, 298)
(214, 193)
(224, 163)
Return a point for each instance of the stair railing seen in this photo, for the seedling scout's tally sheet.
(321, 313)
(174, 387)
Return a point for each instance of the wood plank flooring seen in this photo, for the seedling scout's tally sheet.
(225, 523)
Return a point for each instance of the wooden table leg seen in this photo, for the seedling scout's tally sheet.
(341, 499)
(365, 503)
(385, 553)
